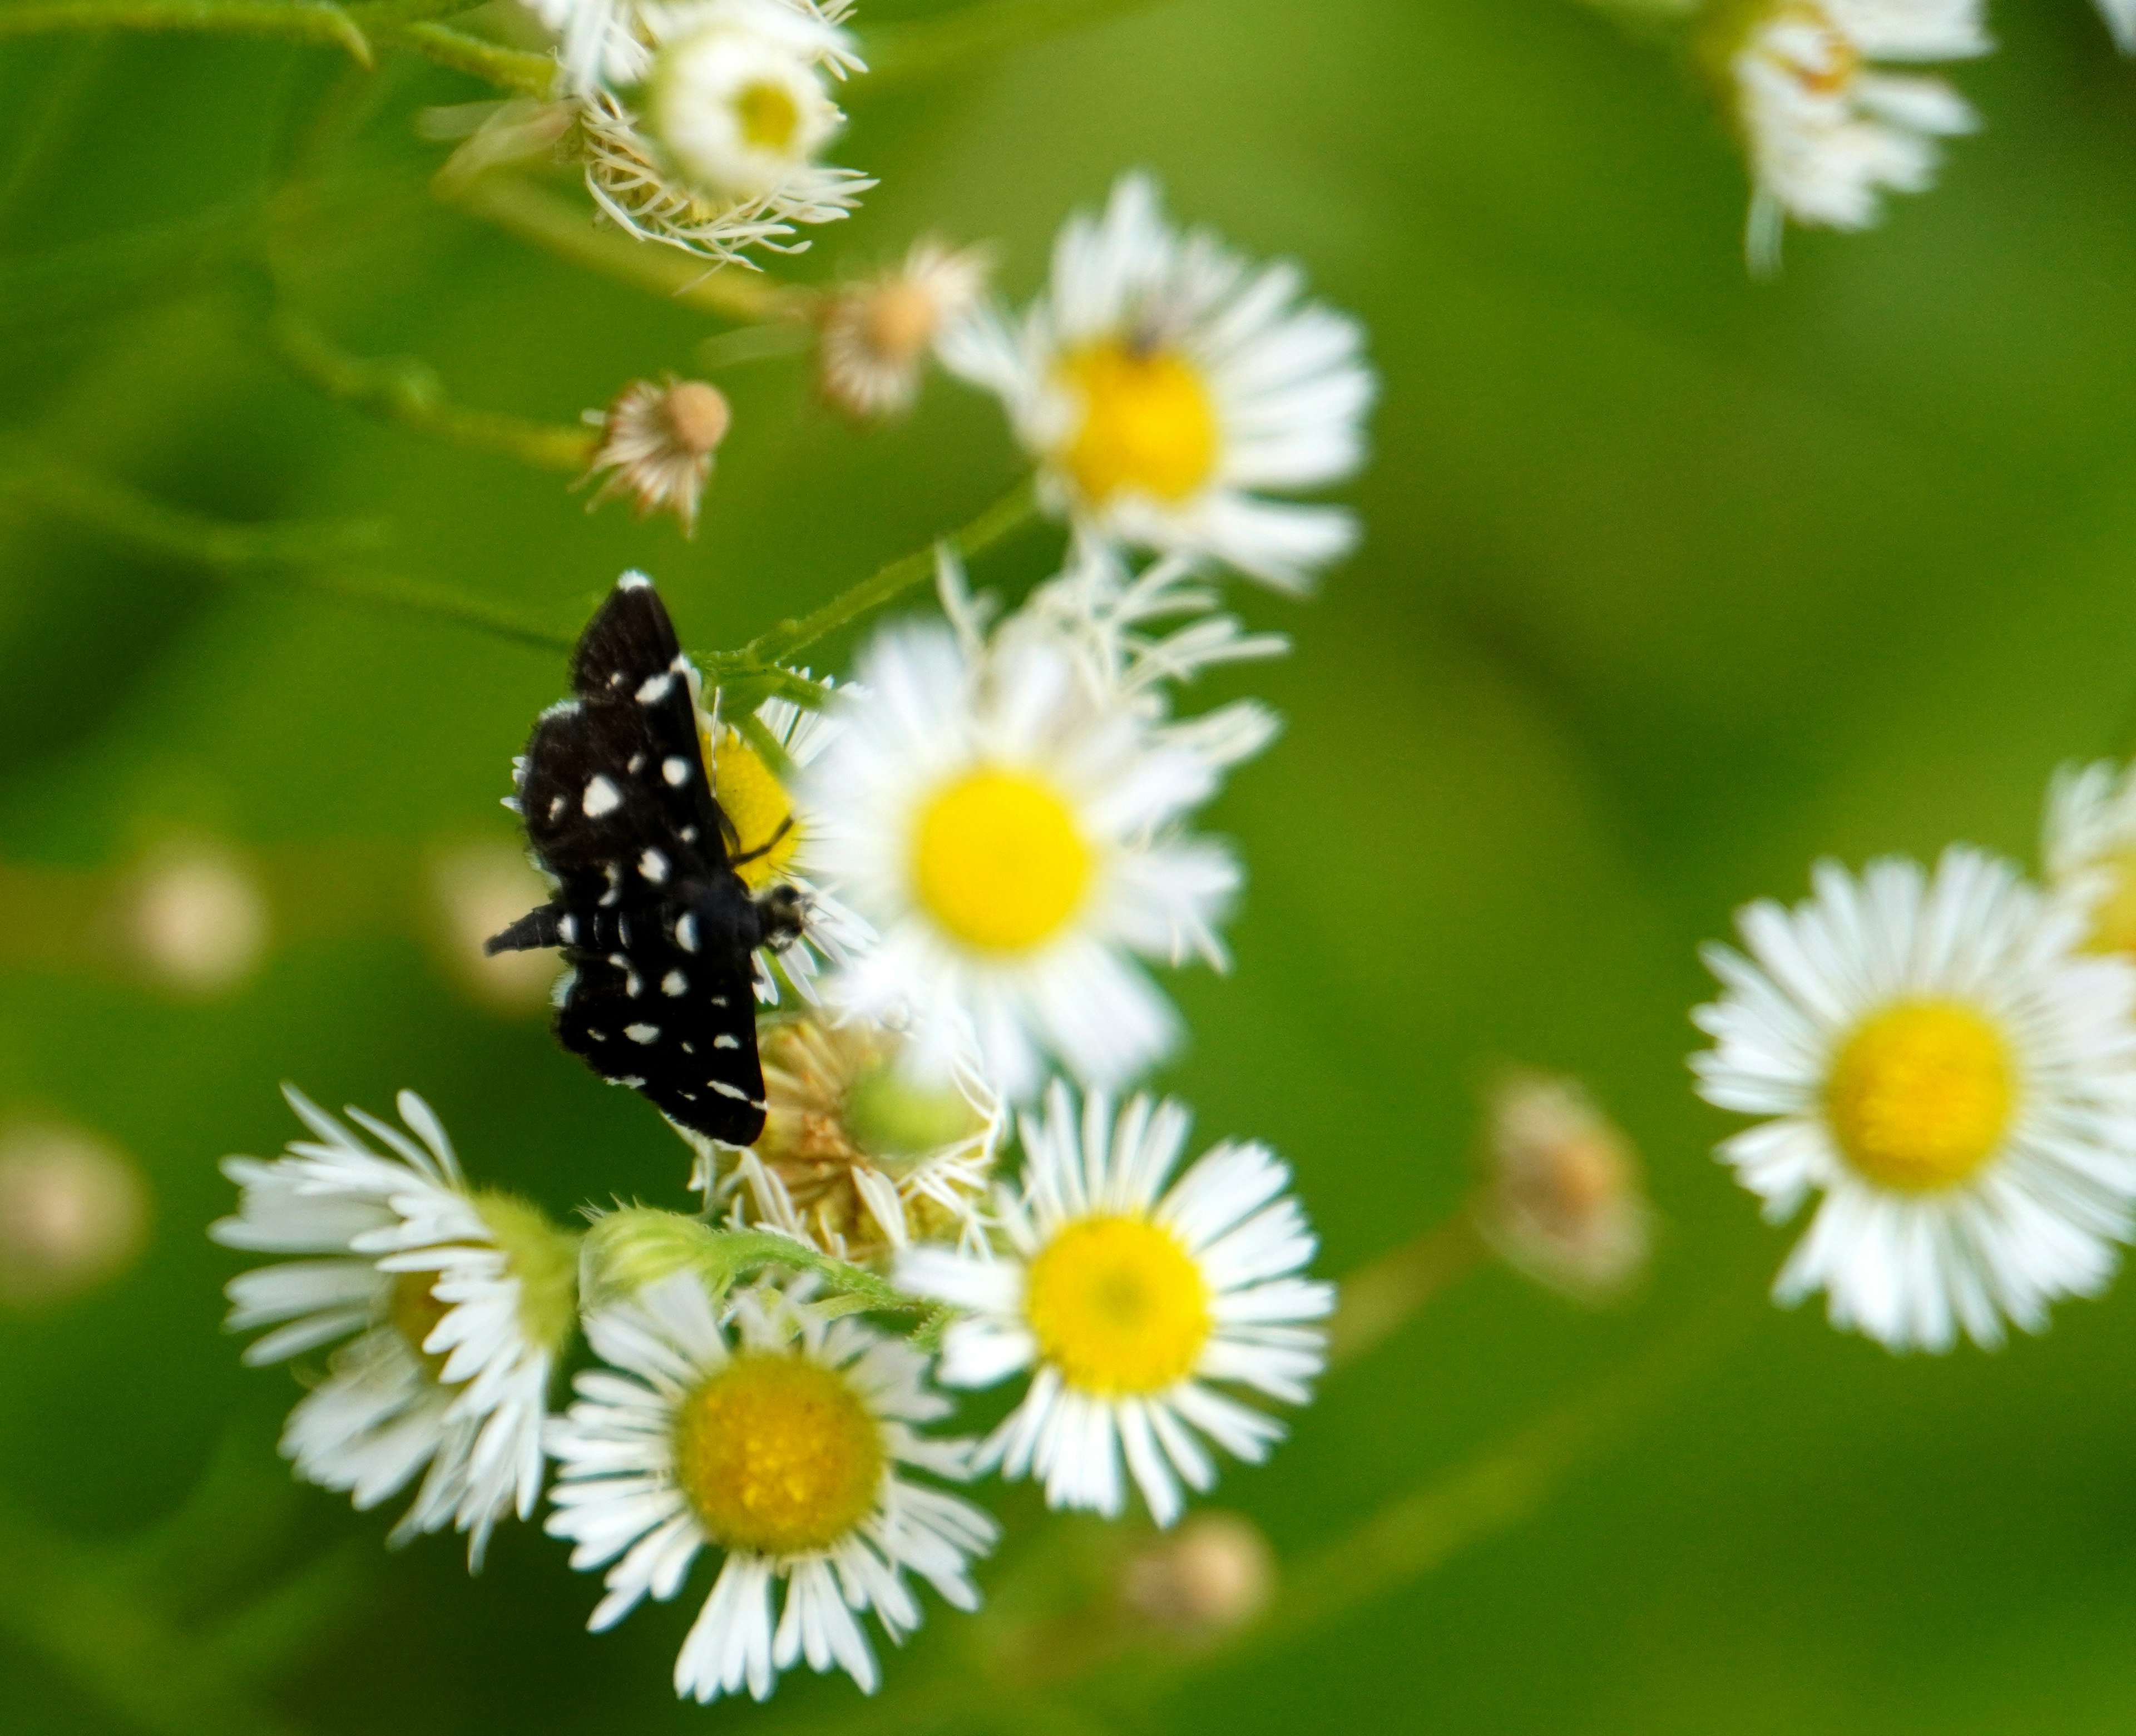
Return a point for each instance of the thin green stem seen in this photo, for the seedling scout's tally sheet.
(1382, 1295)
(929, 47)
(301, 20)
(407, 392)
(509, 69)
(305, 556)
(1009, 514)
(521, 207)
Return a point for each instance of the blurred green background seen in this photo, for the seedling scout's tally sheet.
(1671, 582)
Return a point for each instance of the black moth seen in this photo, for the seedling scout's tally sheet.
(657, 926)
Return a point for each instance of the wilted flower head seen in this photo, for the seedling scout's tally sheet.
(74, 1212)
(657, 440)
(1208, 1579)
(1561, 1198)
(865, 1155)
(878, 331)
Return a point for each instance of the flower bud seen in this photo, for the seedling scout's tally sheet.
(1562, 1200)
(194, 916)
(624, 1250)
(74, 1212)
(1209, 1578)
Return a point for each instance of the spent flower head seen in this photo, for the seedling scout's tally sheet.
(1561, 1198)
(657, 440)
(878, 331)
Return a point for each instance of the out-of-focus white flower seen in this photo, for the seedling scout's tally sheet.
(2090, 849)
(1932, 1055)
(1132, 1302)
(2120, 15)
(784, 1441)
(1828, 131)
(657, 440)
(461, 1303)
(74, 1213)
(878, 331)
(1009, 827)
(1164, 384)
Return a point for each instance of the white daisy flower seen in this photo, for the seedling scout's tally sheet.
(2090, 849)
(878, 331)
(1932, 1056)
(1008, 828)
(778, 840)
(2120, 15)
(460, 1301)
(1163, 382)
(859, 1155)
(608, 45)
(780, 1439)
(716, 153)
(1130, 1299)
(1828, 131)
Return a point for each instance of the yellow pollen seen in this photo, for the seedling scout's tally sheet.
(1147, 424)
(777, 1455)
(413, 1311)
(767, 116)
(756, 802)
(1920, 1094)
(1000, 861)
(1118, 1305)
(1841, 59)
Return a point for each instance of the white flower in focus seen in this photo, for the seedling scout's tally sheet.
(781, 1440)
(657, 440)
(1163, 383)
(460, 1303)
(2090, 849)
(1130, 1301)
(878, 333)
(1931, 1055)
(859, 1155)
(1828, 131)
(1007, 828)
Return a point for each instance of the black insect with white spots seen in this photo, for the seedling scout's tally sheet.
(658, 927)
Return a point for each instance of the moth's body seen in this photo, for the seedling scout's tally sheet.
(658, 927)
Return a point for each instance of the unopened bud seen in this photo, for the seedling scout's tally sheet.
(624, 1250)
(74, 1213)
(1210, 1578)
(1562, 1199)
(477, 889)
(194, 917)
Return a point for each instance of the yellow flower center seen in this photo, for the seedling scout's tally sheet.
(1118, 1305)
(413, 1311)
(1000, 860)
(1148, 424)
(1838, 59)
(755, 802)
(767, 115)
(779, 1455)
(1920, 1094)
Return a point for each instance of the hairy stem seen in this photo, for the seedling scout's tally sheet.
(408, 392)
(301, 20)
(509, 69)
(1010, 513)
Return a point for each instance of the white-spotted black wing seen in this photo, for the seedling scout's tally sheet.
(657, 925)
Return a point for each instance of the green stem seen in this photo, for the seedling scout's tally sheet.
(302, 21)
(521, 208)
(927, 47)
(510, 69)
(1010, 513)
(1382, 1295)
(300, 555)
(404, 391)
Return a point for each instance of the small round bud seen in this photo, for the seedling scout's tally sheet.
(657, 440)
(475, 890)
(74, 1212)
(194, 917)
(878, 331)
(1562, 1200)
(624, 1250)
(1209, 1578)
